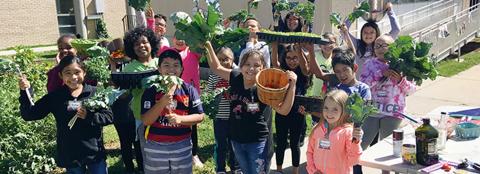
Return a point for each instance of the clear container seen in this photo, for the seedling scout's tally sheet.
(442, 131)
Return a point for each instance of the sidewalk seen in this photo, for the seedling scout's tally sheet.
(458, 90)
(38, 49)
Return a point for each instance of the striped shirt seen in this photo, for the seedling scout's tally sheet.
(216, 82)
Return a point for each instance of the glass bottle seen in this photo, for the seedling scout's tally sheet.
(426, 139)
(442, 131)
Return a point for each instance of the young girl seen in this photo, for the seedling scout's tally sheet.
(253, 26)
(388, 94)
(140, 47)
(330, 146)
(368, 33)
(64, 49)
(293, 123)
(220, 124)
(81, 147)
(169, 117)
(248, 128)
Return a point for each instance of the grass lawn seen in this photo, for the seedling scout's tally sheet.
(471, 57)
(206, 142)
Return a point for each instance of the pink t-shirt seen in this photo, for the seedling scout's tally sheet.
(191, 68)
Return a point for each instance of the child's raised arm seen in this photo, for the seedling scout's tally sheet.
(28, 111)
(302, 58)
(214, 64)
(393, 21)
(347, 38)
(275, 62)
(285, 107)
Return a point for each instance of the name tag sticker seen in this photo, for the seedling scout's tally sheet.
(324, 144)
(252, 107)
(73, 105)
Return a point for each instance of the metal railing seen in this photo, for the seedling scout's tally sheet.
(450, 34)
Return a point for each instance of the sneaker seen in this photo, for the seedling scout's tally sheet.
(238, 171)
(197, 162)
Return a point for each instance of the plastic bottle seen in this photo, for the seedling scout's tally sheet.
(426, 140)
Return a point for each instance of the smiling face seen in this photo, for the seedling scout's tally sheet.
(142, 48)
(345, 74)
(252, 25)
(332, 111)
(170, 67)
(252, 65)
(381, 46)
(328, 48)
(65, 48)
(292, 22)
(369, 35)
(72, 76)
(292, 60)
(160, 26)
(225, 58)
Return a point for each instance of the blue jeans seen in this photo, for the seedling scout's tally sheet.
(223, 146)
(99, 167)
(251, 156)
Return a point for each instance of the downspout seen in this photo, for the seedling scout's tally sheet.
(79, 9)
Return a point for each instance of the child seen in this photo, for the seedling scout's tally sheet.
(81, 147)
(139, 46)
(330, 147)
(292, 124)
(368, 33)
(64, 49)
(248, 123)
(158, 24)
(169, 117)
(253, 26)
(389, 95)
(220, 124)
(191, 62)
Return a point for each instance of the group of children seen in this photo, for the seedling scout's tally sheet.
(161, 125)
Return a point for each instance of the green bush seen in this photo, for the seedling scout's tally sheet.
(25, 147)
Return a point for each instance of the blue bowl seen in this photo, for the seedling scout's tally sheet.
(467, 130)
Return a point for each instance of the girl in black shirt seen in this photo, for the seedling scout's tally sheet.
(81, 147)
(247, 124)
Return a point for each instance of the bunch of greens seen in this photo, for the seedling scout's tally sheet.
(411, 59)
(8, 66)
(81, 45)
(210, 101)
(240, 16)
(199, 29)
(139, 5)
(253, 4)
(161, 83)
(97, 64)
(231, 38)
(359, 109)
(282, 5)
(291, 33)
(306, 10)
(102, 99)
(336, 19)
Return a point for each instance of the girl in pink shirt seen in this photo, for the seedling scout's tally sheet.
(330, 145)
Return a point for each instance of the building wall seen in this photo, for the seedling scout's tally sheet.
(114, 11)
(32, 22)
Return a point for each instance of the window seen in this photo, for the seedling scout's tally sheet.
(66, 17)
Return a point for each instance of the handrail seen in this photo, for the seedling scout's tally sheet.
(436, 12)
(425, 7)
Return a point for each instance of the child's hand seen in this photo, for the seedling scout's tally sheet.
(308, 46)
(149, 13)
(81, 112)
(168, 97)
(388, 6)
(292, 77)
(174, 119)
(23, 83)
(393, 75)
(301, 110)
(357, 134)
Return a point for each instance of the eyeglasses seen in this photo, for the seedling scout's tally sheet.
(377, 46)
(160, 25)
(293, 59)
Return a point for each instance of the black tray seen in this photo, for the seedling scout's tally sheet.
(291, 39)
(311, 104)
(128, 80)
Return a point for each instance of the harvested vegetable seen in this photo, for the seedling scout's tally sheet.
(306, 10)
(161, 83)
(411, 59)
(336, 19)
(139, 5)
(282, 5)
(209, 104)
(102, 99)
(97, 64)
(8, 66)
(81, 45)
(359, 109)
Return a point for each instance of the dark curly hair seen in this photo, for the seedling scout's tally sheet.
(133, 35)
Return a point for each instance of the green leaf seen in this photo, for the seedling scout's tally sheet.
(359, 109)
(422, 49)
(335, 19)
(213, 17)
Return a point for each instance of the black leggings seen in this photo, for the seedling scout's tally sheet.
(291, 127)
(194, 140)
(124, 123)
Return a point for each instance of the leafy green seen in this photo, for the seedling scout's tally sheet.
(97, 64)
(306, 10)
(359, 12)
(282, 5)
(139, 5)
(359, 109)
(161, 83)
(240, 16)
(335, 19)
(254, 4)
(81, 45)
(209, 101)
(8, 66)
(102, 99)
(411, 59)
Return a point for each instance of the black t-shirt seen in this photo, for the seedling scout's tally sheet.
(246, 125)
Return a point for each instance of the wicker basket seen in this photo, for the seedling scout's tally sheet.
(272, 86)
